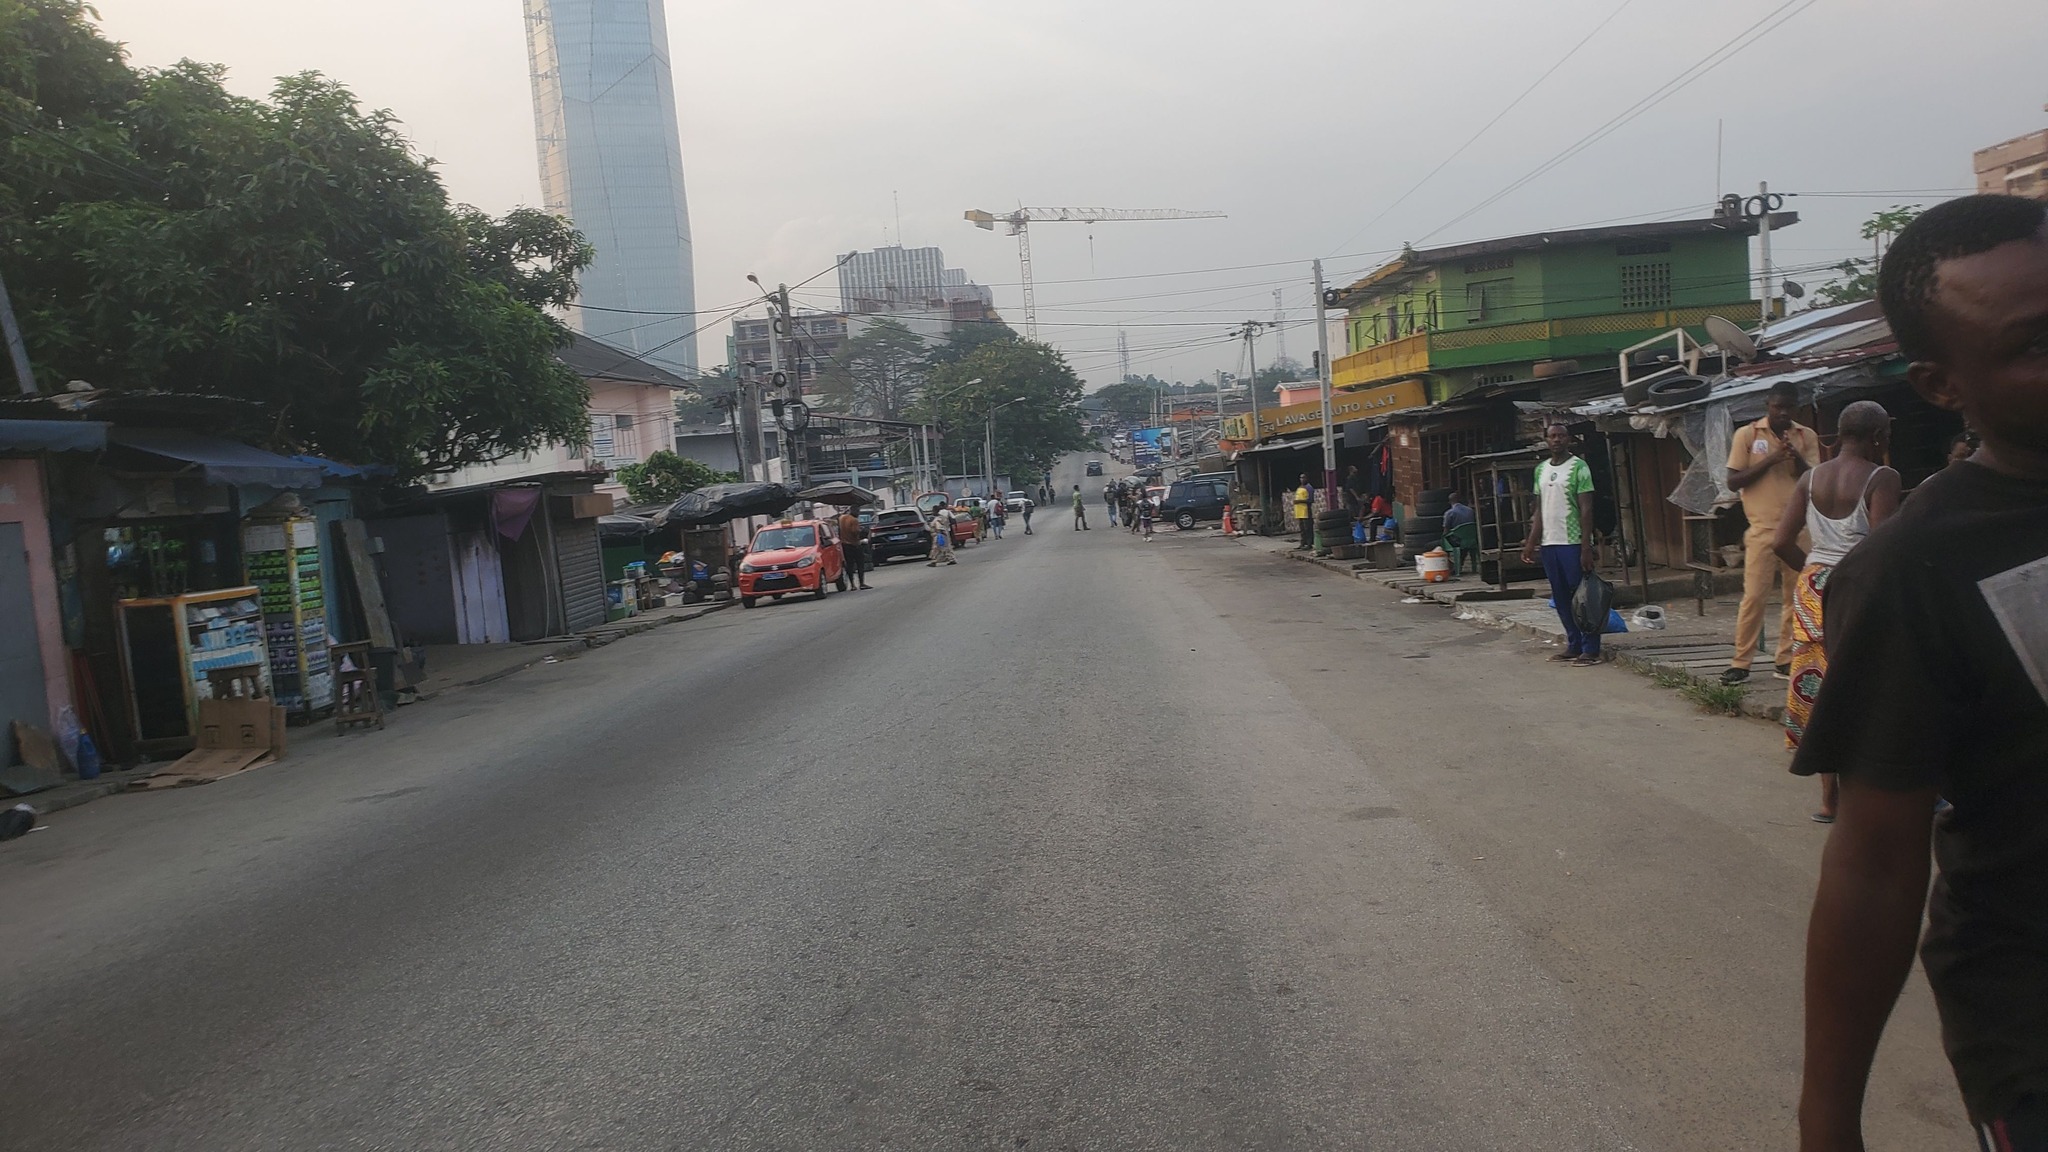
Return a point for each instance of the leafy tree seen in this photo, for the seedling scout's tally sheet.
(663, 476)
(877, 373)
(1131, 399)
(159, 232)
(965, 338)
(1859, 276)
(1029, 434)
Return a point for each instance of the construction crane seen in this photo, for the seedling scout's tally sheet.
(1018, 223)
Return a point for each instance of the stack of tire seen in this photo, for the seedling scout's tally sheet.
(1424, 528)
(1333, 528)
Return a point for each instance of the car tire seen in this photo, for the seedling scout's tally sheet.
(1678, 390)
(1184, 521)
(839, 585)
(747, 601)
(1423, 526)
(824, 588)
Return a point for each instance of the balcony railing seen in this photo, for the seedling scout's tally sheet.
(1412, 355)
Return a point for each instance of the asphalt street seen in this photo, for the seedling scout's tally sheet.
(1085, 843)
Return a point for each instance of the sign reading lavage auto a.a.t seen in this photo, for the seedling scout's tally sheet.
(1344, 406)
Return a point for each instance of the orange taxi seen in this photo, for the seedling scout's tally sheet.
(793, 556)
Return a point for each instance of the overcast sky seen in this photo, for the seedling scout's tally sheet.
(805, 123)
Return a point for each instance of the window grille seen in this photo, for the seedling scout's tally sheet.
(1645, 286)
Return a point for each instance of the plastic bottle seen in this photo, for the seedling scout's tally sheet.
(88, 757)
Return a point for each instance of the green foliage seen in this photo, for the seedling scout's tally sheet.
(965, 338)
(1130, 399)
(157, 231)
(877, 373)
(1859, 276)
(663, 476)
(1714, 696)
(1029, 435)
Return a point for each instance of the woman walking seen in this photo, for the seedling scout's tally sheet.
(1836, 504)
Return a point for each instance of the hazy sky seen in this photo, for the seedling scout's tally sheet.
(804, 123)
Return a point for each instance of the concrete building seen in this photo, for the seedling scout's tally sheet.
(819, 337)
(2018, 167)
(893, 279)
(912, 283)
(611, 161)
(1470, 315)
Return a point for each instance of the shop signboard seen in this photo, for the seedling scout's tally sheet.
(1344, 406)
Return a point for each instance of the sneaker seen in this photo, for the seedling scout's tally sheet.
(1734, 675)
(1781, 671)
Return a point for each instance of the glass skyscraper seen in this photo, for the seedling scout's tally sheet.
(611, 161)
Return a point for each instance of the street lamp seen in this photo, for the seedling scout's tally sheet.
(988, 446)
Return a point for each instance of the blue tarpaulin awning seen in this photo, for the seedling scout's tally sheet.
(52, 435)
(221, 461)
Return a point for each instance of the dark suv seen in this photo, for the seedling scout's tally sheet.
(1195, 499)
(898, 532)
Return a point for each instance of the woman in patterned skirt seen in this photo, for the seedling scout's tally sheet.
(1836, 505)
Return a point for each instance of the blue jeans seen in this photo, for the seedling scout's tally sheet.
(1561, 563)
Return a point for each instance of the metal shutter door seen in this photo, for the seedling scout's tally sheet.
(581, 572)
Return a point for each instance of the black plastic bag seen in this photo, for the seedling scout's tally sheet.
(1592, 603)
(16, 821)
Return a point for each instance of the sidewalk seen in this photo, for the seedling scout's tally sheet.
(449, 666)
(452, 666)
(1690, 648)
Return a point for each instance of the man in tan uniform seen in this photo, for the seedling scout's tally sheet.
(1764, 464)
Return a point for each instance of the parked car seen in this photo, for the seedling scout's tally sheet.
(968, 521)
(899, 532)
(798, 556)
(1198, 498)
(1017, 502)
(1094, 468)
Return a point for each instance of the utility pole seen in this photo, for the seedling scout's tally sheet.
(1323, 377)
(16, 350)
(1763, 197)
(1219, 403)
(1250, 332)
(1279, 331)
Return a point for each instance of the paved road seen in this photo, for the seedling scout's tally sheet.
(1085, 843)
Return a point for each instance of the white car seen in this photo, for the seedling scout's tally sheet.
(1017, 502)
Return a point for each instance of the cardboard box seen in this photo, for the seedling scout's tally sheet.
(234, 736)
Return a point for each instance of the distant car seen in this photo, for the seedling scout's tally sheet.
(799, 556)
(1198, 498)
(1094, 468)
(899, 532)
(1018, 502)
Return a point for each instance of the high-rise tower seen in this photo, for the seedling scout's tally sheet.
(611, 161)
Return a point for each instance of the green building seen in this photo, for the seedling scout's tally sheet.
(1488, 312)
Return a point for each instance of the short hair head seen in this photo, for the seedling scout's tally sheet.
(1965, 226)
(1865, 420)
(1786, 391)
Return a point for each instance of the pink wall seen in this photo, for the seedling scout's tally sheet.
(21, 501)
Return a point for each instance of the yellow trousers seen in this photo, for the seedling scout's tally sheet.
(1761, 568)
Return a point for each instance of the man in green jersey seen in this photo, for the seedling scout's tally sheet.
(1559, 528)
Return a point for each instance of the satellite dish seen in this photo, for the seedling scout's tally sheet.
(1795, 289)
(1731, 338)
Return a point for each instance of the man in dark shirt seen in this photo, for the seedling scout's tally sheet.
(1937, 642)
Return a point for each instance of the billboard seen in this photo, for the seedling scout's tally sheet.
(1151, 445)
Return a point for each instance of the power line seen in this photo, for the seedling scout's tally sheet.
(1714, 59)
(1483, 128)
